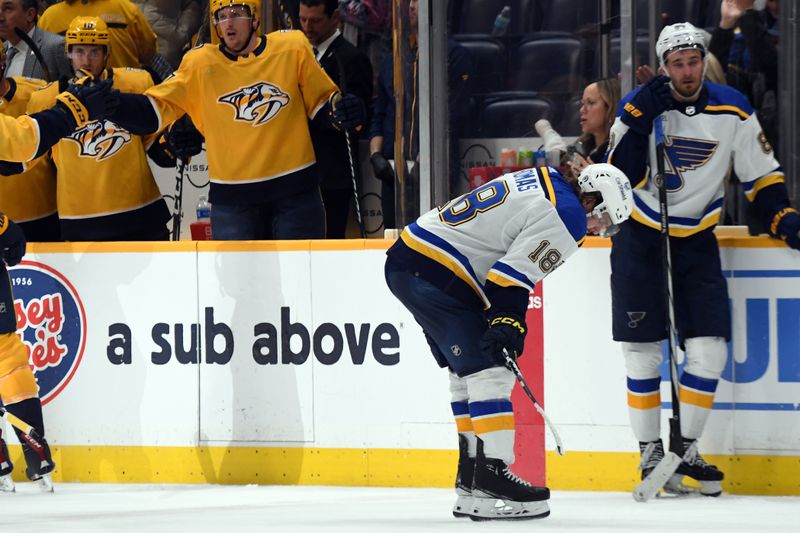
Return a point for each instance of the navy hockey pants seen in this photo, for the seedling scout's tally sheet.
(702, 308)
(452, 328)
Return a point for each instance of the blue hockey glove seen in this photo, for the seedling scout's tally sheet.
(183, 138)
(786, 226)
(652, 99)
(506, 332)
(347, 112)
(83, 103)
(12, 241)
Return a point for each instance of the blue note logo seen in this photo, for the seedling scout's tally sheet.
(51, 322)
(684, 155)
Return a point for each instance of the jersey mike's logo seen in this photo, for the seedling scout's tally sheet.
(100, 139)
(683, 155)
(51, 322)
(258, 103)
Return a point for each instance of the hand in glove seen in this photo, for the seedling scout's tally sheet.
(12, 241)
(183, 138)
(83, 103)
(652, 99)
(347, 112)
(381, 167)
(506, 333)
(786, 226)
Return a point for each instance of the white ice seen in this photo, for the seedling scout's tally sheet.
(89, 508)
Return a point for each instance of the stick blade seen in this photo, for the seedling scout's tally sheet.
(650, 485)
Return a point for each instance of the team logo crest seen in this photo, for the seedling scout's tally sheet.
(100, 139)
(51, 322)
(258, 103)
(684, 155)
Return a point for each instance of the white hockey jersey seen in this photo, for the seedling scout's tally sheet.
(512, 231)
(702, 141)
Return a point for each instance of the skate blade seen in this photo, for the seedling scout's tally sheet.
(44, 483)
(462, 506)
(660, 475)
(495, 509)
(7, 484)
(676, 487)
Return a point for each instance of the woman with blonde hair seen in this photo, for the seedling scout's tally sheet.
(598, 109)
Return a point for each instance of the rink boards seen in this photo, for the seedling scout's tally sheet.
(291, 363)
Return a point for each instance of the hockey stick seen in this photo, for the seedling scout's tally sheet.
(29, 435)
(36, 52)
(343, 87)
(650, 486)
(177, 210)
(512, 365)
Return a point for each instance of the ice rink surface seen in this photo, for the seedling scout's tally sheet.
(89, 508)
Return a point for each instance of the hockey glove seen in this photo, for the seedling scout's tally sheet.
(506, 333)
(183, 139)
(652, 99)
(83, 103)
(347, 112)
(381, 168)
(12, 241)
(786, 226)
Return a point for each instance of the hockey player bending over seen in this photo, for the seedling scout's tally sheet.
(707, 128)
(18, 389)
(465, 271)
(252, 97)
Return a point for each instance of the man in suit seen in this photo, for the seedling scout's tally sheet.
(21, 59)
(351, 70)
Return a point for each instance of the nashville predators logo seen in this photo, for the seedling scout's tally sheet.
(684, 155)
(100, 139)
(257, 103)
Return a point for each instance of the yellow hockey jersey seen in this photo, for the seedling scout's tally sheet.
(31, 195)
(133, 42)
(253, 111)
(105, 186)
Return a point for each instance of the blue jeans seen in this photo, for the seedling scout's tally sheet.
(452, 328)
(300, 216)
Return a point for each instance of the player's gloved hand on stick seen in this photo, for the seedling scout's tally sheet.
(381, 167)
(788, 227)
(652, 99)
(347, 112)
(12, 241)
(506, 332)
(183, 138)
(83, 103)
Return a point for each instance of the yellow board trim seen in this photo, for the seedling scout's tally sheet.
(577, 470)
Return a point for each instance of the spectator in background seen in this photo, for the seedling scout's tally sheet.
(598, 110)
(21, 59)
(350, 69)
(106, 191)
(174, 22)
(746, 43)
(28, 197)
(382, 132)
(132, 40)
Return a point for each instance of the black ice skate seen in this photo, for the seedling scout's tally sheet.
(6, 467)
(694, 466)
(499, 494)
(40, 462)
(651, 454)
(466, 471)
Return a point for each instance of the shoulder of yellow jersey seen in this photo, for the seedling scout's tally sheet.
(286, 40)
(43, 98)
(132, 80)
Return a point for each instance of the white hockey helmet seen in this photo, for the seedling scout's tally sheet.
(679, 36)
(616, 202)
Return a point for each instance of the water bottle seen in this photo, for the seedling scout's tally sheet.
(502, 21)
(203, 209)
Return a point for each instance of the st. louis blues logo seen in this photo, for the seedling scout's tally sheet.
(100, 139)
(258, 103)
(51, 322)
(684, 154)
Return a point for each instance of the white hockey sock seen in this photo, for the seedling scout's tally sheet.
(491, 411)
(642, 360)
(705, 360)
